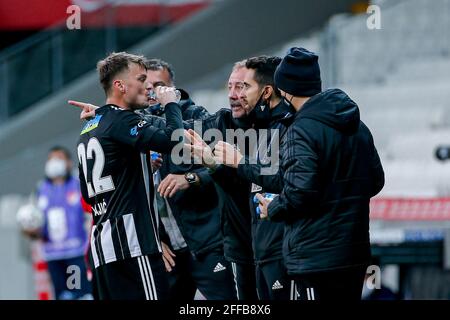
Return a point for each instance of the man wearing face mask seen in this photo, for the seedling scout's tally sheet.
(63, 233)
(268, 112)
(331, 169)
(236, 215)
(272, 113)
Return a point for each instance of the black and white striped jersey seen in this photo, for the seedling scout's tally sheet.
(116, 179)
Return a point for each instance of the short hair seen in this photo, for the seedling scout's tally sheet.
(264, 67)
(156, 64)
(239, 64)
(114, 64)
(61, 149)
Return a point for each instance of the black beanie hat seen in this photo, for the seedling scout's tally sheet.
(299, 73)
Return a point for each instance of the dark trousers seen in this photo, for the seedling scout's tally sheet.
(69, 282)
(273, 282)
(139, 278)
(341, 284)
(245, 281)
(182, 286)
(211, 274)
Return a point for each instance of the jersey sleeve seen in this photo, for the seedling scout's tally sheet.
(131, 129)
(161, 122)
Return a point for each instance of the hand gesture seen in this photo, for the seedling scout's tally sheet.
(87, 109)
(263, 205)
(165, 95)
(199, 149)
(227, 154)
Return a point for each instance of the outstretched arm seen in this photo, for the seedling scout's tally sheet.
(132, 129)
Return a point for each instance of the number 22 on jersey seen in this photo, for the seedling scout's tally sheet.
(99, 184)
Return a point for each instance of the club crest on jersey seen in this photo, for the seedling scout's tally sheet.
(91, 124)
(134, 131)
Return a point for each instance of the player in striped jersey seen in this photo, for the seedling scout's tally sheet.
(116, 179)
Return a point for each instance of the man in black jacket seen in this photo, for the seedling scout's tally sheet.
(233, 191)
(189, 210)
(331, 169)
(235, 217)
(271, 117)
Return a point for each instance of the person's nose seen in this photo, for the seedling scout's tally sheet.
(233, 93)
(148, 86)
(241, 95)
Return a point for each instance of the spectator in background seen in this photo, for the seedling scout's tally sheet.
(63, 234)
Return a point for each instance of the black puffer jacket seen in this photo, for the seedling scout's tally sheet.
(331, 169)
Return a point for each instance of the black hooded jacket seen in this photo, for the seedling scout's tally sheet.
(331, 169)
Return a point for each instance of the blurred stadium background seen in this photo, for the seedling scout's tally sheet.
(399, 76)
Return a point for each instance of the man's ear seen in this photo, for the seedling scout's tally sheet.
(268, 91)
(119, 85)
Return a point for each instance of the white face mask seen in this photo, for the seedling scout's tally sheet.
(55, 168)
